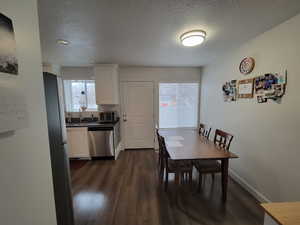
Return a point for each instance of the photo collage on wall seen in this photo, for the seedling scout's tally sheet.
(268, 86)
(229, 91)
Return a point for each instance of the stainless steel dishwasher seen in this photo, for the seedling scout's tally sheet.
(101, 141)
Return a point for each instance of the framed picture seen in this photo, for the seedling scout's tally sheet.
(245, 88)
(229, 91)
(8, 56)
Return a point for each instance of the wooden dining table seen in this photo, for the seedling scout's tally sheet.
(187, 144)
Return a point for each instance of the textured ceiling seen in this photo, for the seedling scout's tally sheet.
(146, 32)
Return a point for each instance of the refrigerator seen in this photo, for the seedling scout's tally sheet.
(58, 149)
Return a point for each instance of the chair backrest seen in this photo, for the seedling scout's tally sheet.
(223, 139)
(157, 135)
(165, 154)
(160, 142)
(204, 130)
(156, 128)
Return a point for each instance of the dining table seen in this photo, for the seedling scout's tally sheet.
(187, 144)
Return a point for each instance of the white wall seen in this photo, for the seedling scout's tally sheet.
(26, 195)
(77, 73)
(266, 135)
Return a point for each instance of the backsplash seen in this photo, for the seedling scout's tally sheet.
(77, 117)
(93, 115)
(82, 114)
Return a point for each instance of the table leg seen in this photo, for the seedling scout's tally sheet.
(225, 164)
(177, 179)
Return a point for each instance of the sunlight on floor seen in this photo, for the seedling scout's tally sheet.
(86, 201)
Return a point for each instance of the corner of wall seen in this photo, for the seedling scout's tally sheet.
(255, 193)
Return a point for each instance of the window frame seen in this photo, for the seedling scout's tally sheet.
(71, 95)
(198, 104)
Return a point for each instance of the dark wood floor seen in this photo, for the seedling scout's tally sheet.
(127, 192)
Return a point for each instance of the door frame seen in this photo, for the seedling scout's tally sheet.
(122, 109)
(58, 154)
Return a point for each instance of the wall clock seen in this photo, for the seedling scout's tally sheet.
(247, 65)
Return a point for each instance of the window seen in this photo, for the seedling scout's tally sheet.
(80, 93)
(178, 105)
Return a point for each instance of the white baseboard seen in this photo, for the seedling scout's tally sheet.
(256, 194)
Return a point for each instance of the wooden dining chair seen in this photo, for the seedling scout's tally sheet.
(183, 167)
(161, 163)
(159, 149)
(204, 130)
(223, 141)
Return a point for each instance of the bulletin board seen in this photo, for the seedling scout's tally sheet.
(245, 88)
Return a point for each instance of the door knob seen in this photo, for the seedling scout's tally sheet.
(124, 118)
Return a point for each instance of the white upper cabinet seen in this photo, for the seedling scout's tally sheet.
(107, 84)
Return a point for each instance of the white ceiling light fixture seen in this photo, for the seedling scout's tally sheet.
(193, 38)
(62, 42)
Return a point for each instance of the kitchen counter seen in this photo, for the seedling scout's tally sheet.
(285, 213)
(92, 124)
(94, 140)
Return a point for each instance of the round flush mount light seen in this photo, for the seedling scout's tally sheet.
(62, 42)
(193, 38)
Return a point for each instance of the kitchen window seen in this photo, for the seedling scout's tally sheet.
(178, 105)
(80, 94)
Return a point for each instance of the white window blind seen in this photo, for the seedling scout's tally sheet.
(178, 105)
(74, 98)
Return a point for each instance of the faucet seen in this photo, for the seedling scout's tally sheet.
(80, 116)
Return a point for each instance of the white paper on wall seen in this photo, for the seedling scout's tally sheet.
(13, 112)
(245, 88)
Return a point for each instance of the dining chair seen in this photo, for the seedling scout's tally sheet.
(204, 130)
(223, 140)
(161, 164)
(159, 150)
(183, 167)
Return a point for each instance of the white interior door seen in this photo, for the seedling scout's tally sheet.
(138, 114)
